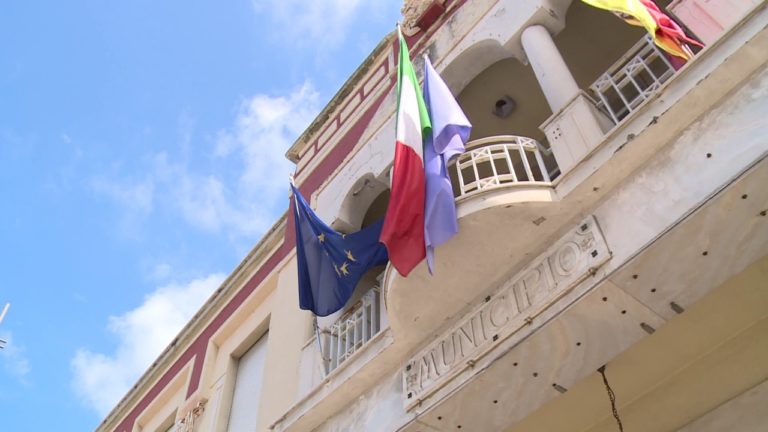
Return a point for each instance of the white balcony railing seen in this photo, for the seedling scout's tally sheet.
(353, 329)
(498, 161)
(632, 79)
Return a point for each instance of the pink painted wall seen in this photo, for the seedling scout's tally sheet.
(709, 19)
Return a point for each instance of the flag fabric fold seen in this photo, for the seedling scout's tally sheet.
(331, 264)
(666, 33)
(450, 131)
(669, 35)
(403, 231)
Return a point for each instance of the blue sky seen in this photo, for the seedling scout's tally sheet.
(141, 157)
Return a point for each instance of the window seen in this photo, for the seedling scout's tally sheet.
(248, 384)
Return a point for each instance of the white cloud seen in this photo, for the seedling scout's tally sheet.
(136, 197)
(161, 271)
(246, 203)
(265, 128)
(246, 186)
(318, 22)
(262, 132)
(142, 334)
(14, 361)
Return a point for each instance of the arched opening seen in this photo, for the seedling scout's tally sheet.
(371, 278)
(377, 209)
(360, 207)
(471, 62)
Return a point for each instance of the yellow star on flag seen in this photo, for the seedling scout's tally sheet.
(350, 256)
(321, 237)
(343, 268)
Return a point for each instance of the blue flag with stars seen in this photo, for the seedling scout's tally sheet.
(330, 263)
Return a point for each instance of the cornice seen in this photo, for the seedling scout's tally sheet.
(338, 99)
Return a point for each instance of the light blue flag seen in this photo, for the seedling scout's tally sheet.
(450, 131)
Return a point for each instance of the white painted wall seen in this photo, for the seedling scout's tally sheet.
(379, 410)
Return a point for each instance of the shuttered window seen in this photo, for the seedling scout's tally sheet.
(248, 384)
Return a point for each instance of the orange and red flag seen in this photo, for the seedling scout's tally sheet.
(666, 33)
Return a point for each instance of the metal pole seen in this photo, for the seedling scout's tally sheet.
(2, 315)
(5, 310)
(320, 345)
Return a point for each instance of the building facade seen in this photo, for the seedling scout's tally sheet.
(613, 215)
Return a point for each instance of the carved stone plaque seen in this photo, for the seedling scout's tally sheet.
(529, 292)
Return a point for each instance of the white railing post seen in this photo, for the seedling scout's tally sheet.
(542, 167)
(342, 343)
(510, 164)
(474, 169)
(632, 71)
(354, 329)
(524, 157)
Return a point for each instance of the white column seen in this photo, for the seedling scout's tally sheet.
(551, 71)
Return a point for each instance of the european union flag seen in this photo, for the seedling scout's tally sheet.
(330, 264)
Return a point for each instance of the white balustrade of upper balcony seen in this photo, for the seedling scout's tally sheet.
(499, 162)
(593, 82)
(632, 80)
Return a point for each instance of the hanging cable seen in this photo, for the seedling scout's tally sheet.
(612, 397)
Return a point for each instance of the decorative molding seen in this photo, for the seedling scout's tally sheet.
(363, 97)
(187, 423)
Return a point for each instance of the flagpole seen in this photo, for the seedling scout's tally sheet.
(295, 203)
(320, 346)
(2, 315)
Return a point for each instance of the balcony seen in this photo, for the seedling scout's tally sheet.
(500, 161)
(352, 348)
(633, 79)
(579, 127)
(503, 184)
(504, 193)
(344, 336)
(352, 330)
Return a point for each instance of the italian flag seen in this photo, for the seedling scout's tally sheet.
(403, 231)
